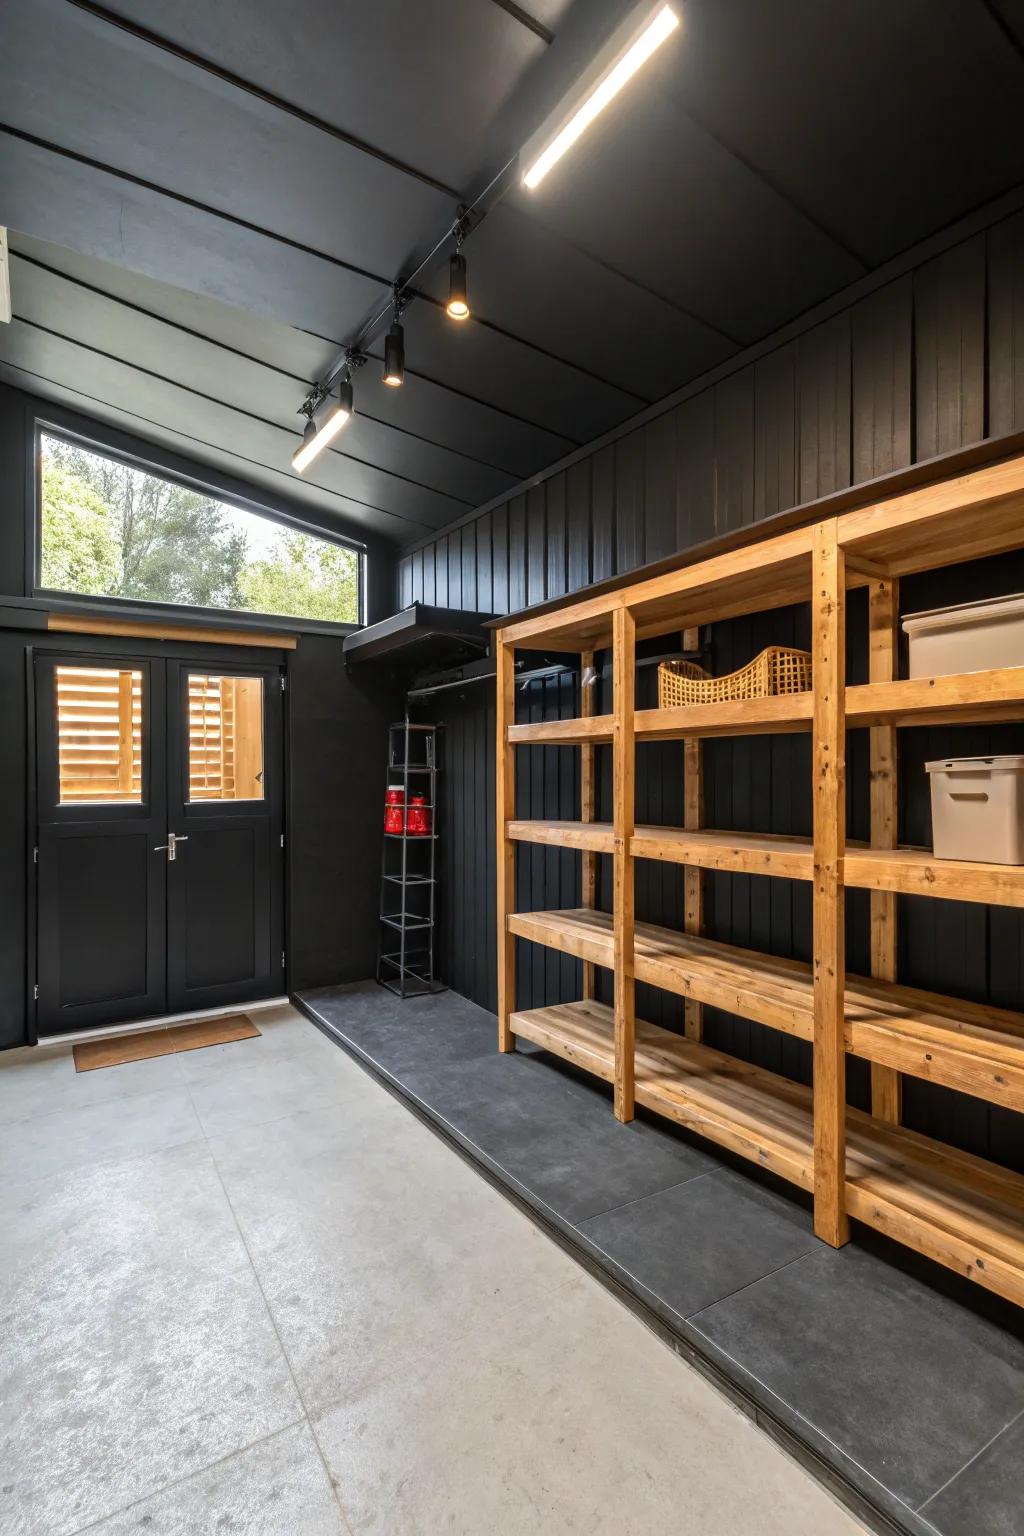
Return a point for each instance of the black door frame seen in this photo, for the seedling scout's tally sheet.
(97, 649)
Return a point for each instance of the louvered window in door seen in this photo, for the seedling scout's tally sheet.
(225, 737)
(99, 735)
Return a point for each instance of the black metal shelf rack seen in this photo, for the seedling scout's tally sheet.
(408, 971)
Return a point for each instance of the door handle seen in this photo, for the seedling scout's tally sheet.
(170, 846)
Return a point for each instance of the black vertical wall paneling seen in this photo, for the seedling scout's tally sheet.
(536, 543)
(629, 501)
(441, 571)
(517, 554)
(775, 432)
(557, 564)
(603, 512)
(578, 525)
(455, 569)
(734, 451)
(484, 567)
(416, 586)
(1006, 326)
(823, 384)
(660, 486)
(949, 350)
(881, 335)
(500, 585)
(405, 582)
(695, 470)
(470, 599)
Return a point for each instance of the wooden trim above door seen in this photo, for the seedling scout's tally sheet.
(147, 629)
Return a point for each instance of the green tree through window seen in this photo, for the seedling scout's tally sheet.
(109, 529)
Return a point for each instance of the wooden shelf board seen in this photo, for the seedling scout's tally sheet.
(749, 853)
(594, 836)
(960, 697)
(734, 717)
(917, 872)
(965, 1213)
(963, 518)
(968, 1046)
(585, 731)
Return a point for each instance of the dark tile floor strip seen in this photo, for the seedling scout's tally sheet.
(898, 1384)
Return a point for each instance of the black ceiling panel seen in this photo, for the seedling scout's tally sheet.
(421, 81)
(69, 80)
(651, 193)
(887, 119)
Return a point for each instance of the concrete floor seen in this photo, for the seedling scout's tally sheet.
(244, 1290)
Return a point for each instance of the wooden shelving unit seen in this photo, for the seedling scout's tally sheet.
(957, 1209)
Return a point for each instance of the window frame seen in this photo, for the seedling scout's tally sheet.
(227, 617)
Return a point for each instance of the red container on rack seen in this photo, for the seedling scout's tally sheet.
(394, 809)
(419, 819)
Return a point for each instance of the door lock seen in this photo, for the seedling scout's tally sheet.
(169, 847)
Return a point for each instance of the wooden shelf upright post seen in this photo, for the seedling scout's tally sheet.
(588, 808)
(624, 768)
(505, 780)
(828, 632)
(693, 878)
(883, 626)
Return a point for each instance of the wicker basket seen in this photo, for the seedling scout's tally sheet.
(778, 669)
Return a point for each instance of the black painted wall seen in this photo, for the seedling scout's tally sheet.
(335, 746)
(929, 362)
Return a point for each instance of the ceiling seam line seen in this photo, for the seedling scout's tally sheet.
(1003, 26)
(839, 241)
(269, 98)
(297, 245)
(191, 438)
(238, 410)
(248, 357)
(525, 19)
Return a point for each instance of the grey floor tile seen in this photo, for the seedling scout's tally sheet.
(903, 1379)
(406, 1036)
(374, 1244)
(572, 1418)
(95, 1133)
(103, 1404)
(276, 1488)
(555, 1136)
(284, 1033)
(695, 1243)
(253, 1087)
(42, 1081)
(987, 1498)
(79, 1240)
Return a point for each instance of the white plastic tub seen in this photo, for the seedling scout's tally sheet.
(978, 808)
(969, 638)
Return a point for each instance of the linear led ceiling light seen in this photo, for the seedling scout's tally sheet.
(627, 56)
(334, 411)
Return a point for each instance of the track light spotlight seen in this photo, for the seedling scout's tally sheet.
(394, 348)
(334, 411)
(458, 296)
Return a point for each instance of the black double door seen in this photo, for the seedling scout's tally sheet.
(160, 865)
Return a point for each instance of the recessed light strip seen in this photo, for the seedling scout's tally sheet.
(660, 27)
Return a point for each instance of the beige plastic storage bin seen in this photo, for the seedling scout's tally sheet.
(978, 808)
(970, 638)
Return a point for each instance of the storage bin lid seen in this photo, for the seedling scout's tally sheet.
(1011, 762)
(987, 608)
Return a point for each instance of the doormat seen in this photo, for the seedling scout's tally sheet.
(91, 1054)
